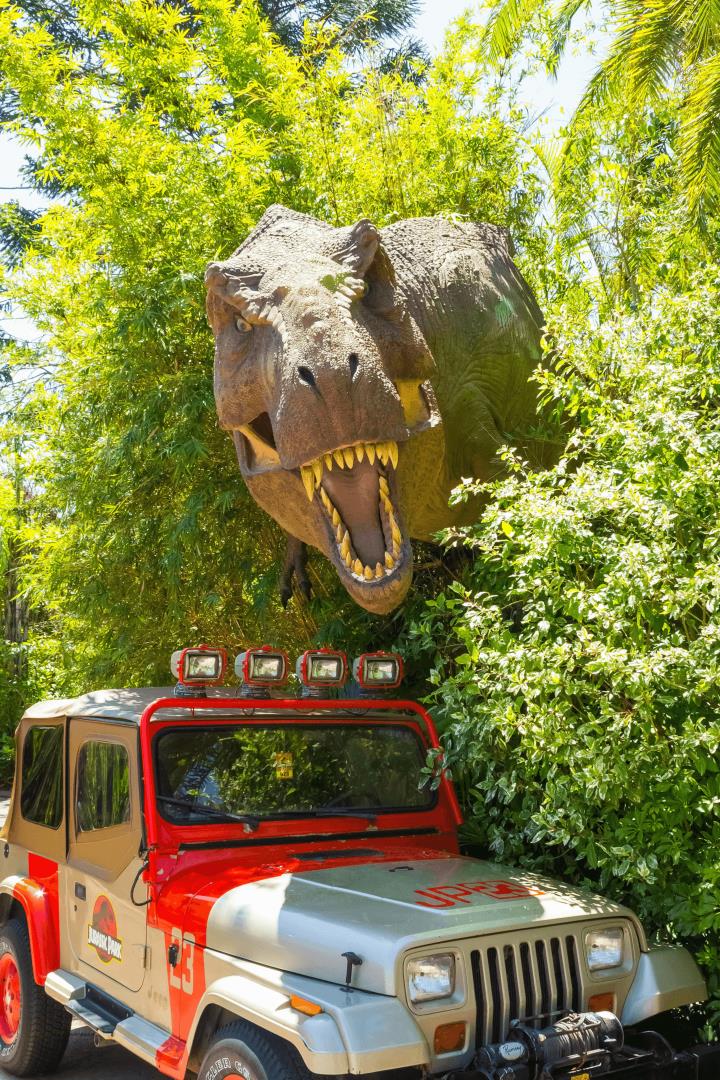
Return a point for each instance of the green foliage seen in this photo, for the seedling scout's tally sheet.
(577, 667)
(656, 47)
(141, 535)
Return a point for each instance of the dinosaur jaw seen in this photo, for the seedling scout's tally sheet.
(354, 490)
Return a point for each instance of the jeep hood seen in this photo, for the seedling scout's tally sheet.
(304, 921)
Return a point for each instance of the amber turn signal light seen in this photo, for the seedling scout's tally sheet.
(310, 1008)
(450, 1037)
(602, 1003)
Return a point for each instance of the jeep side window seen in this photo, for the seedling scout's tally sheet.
(41, 799)
(103, 786)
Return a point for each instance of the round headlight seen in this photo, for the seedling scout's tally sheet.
(431, 977)
(604, 948)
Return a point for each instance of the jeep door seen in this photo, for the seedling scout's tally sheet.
(107, 923)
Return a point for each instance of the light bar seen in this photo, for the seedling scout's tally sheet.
(378, 671)
(262, 667)
(322, 667)
(200, 666)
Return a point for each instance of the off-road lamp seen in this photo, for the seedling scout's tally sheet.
(378, 671)
(259, 669)
(197, 668)
(321, 670)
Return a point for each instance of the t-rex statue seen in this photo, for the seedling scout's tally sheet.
(363, 373)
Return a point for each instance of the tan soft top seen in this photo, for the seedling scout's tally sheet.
(116, 704)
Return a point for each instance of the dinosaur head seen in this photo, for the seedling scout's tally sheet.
(321, 376)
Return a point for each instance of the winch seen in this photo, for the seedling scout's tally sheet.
(578, 1044)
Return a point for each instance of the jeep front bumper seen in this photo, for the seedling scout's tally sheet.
(585, 1046)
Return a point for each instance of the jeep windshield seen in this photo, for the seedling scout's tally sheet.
(251, 772)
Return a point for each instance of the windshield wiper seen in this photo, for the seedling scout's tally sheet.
(327, 811)
(250, 820)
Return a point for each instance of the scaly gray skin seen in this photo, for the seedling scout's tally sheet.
(363, 374)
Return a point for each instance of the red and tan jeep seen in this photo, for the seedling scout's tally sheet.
(239, 885)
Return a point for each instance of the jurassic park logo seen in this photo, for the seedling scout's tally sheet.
(102, 932)
(447, 896)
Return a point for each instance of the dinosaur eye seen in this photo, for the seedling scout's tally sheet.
(243, 325)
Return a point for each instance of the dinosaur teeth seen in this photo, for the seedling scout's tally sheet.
(386, 453)
(309, 481)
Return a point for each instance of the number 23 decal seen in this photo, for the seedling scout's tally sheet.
(185, 948)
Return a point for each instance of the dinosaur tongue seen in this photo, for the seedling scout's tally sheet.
(355, 494)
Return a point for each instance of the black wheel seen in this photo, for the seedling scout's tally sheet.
(34, 1029)
(243, 1052)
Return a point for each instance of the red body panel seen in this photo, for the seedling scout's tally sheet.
(38, 895)
(185, 884)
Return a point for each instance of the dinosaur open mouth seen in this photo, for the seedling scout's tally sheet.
(354, 486)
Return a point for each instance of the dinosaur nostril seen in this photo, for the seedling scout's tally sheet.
(354, 362)
(307, 376)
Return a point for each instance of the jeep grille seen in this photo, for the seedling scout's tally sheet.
(528, 981)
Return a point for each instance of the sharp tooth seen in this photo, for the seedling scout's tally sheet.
(389, 561)
(307, 479)
(336, 519)
(368, 574)
(348, 560)
(382, 452)
(388, 506)
(345, 546)
(329, 462)
(360, 451)
(358, 568)
(339, 533)
(393, 453)
(384, 486)
(317, 471)
(349, 456)
(338, 455)
(379, 572)
(370, 451)
(325, 499)
(396, 534)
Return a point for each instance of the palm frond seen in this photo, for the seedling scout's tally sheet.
(702, 29)
(560, 31)
(507, 26)
(700, 135)
(645, 52)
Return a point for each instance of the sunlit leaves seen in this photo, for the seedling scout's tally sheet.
(168, 147)
(585, 731)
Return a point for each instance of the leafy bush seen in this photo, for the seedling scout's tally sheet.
(581, 702)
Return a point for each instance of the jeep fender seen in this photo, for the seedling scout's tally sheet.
(41, 918)
(355, 1033)
(667, 977)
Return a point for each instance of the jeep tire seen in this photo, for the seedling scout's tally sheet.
(34, 1029)
(243, 1052)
